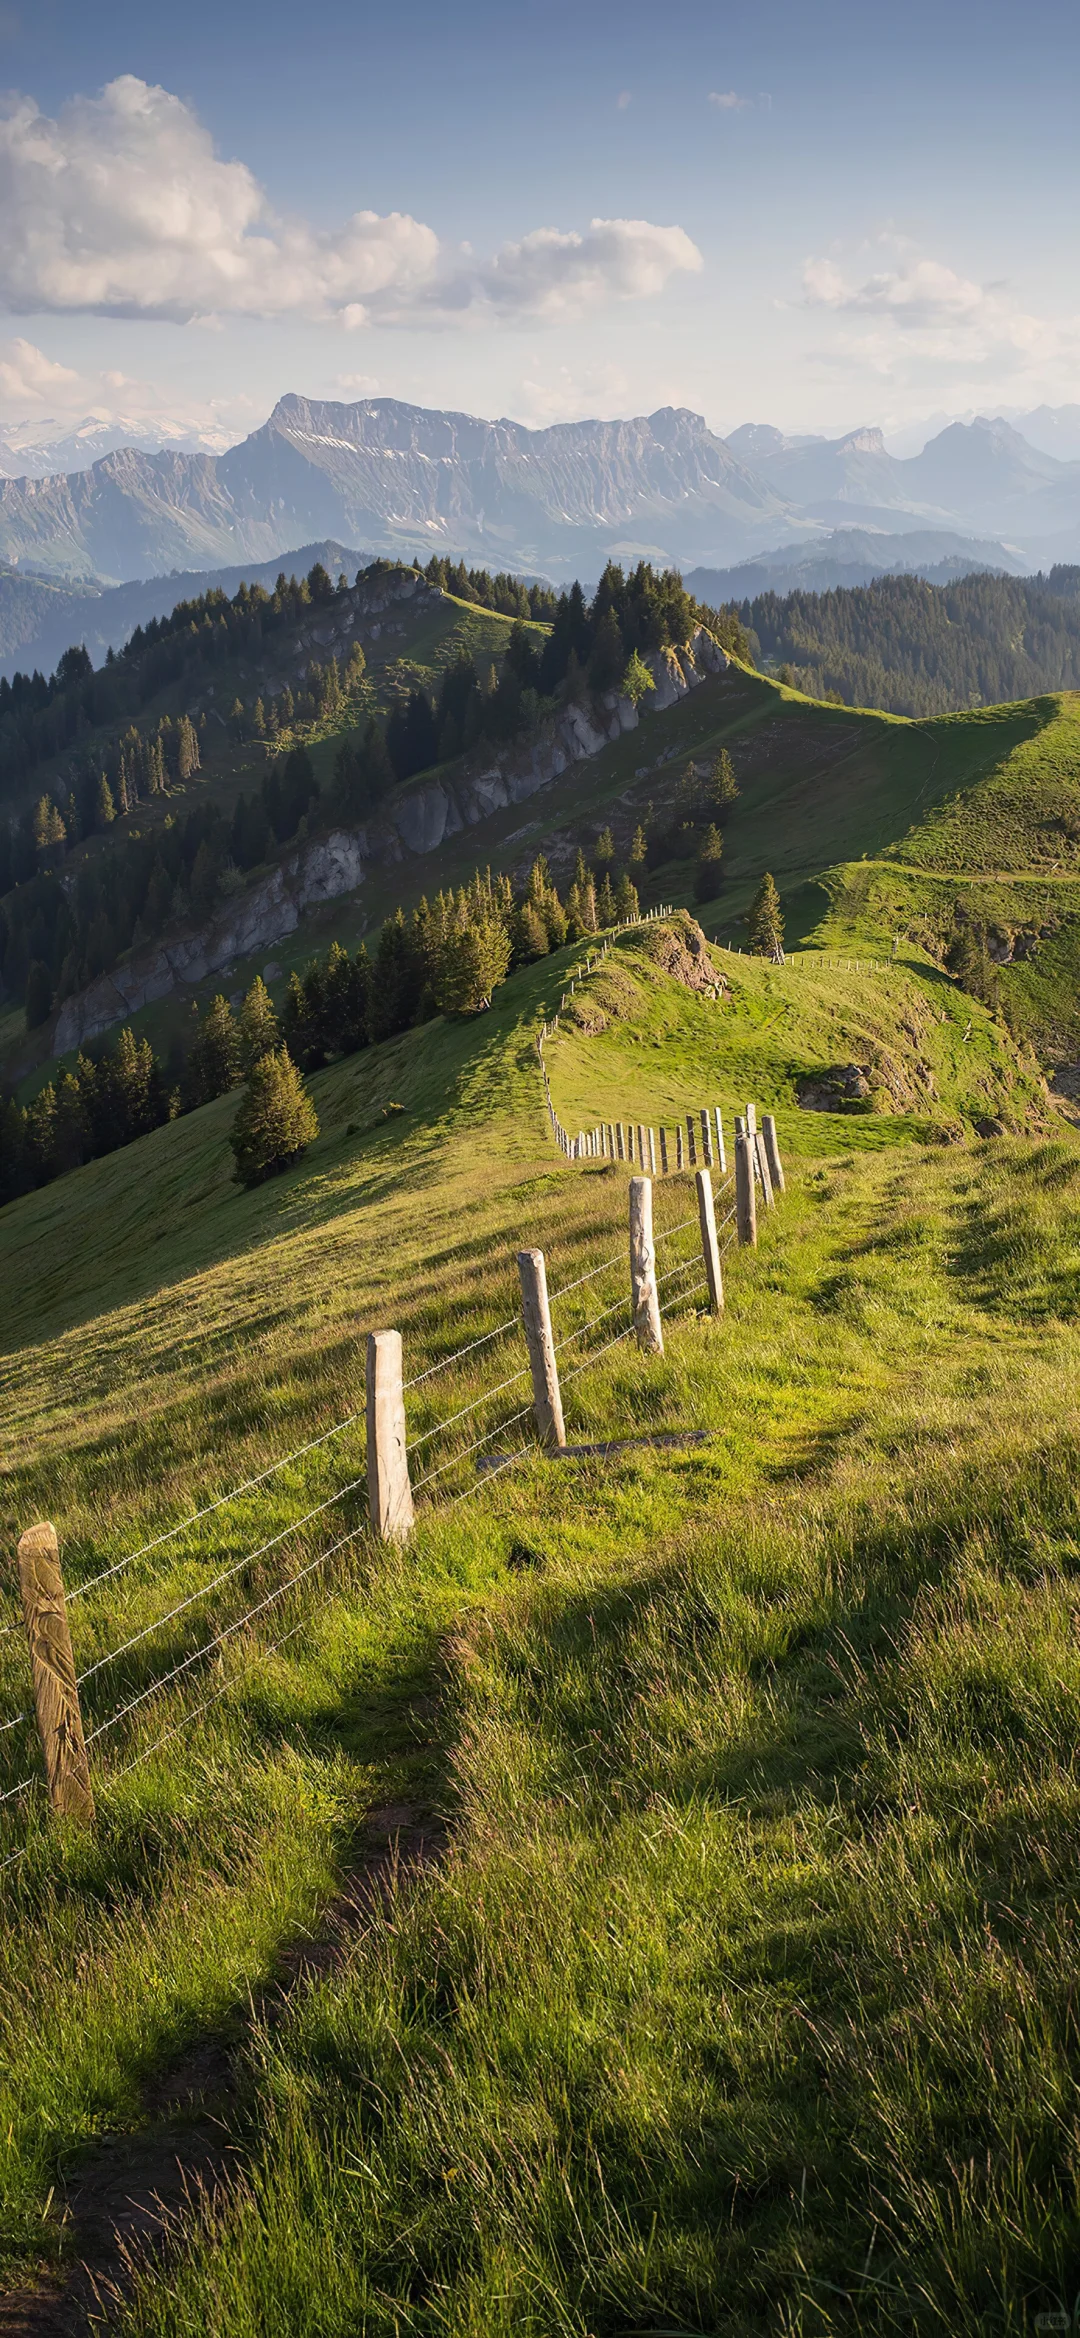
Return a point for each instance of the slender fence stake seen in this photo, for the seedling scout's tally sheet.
(745, 1197)
(620, 1139)
(751, 1120)
(706, 1141)
(762, 1166)
(642, 1151)
(740, 1126)
(679, 1147)
(390, 1501)
(629, 1140)
(772, 1152)
(652, 1152)
(536, 1315)
(611, 1140)
(709, 1247)
(691, 1148)
(721, 1150)
(646, 1303)
(56, 1695)
(663, 1152)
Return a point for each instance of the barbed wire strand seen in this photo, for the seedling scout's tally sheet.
(224, 1575)
(488, 1398)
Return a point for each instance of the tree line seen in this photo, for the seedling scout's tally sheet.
(448, 957)
(57, 935)
(923, 649)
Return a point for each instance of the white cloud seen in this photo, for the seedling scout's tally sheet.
(29, 378)
(728, 101)
(551, 275)
(565, 396)
(917, 319)
(121, 207)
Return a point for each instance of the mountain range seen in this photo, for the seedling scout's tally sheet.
(409, 480)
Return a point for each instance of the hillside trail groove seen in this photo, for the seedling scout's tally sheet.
(126, 2197)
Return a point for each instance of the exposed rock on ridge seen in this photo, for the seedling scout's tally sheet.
(418, 822)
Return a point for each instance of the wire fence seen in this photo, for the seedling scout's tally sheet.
(136, 1695)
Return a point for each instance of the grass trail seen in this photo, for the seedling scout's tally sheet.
(744, 1997)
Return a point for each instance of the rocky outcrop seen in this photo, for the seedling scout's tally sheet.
(263, 914)
(420, 819)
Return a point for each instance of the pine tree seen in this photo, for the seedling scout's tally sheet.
(627, 904)
(276, 1121)
(187, 748)
(605, 849)
(105, 808)
(214, 1061)
(639, 853)
(606, 911)
(709, 875)
(260, 1031)
(472, 962)
(723, 785)
(765, 924)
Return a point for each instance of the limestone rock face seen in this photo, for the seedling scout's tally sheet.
(419, 820)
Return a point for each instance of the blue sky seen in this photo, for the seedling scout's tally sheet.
(818, 216)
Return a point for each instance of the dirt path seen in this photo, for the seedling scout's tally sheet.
(126, 2199)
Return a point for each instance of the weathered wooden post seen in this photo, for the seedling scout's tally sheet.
(652, 1152)
(706, 1141)
(629, 1140)
(772, 1151)
(740, 1126)
(762, 1167)
(642, 1148)
(536, 1315)
(646, 1303)
(620, 1140)
(611, 1140)
(663, 1152)
(709, 1247)
(390, 1501)
(678, 1146)
(56, 1694)
(691, 1148)
(751, 1120)
(745, 1197)
(721, 1152)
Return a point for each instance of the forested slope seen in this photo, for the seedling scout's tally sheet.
(917, 648)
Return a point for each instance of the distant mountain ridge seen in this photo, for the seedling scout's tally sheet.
(409, 480)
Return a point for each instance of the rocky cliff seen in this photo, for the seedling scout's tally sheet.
(421, 817)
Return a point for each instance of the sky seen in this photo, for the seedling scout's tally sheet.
(816, 216)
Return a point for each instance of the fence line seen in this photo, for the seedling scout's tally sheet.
(376, 1428)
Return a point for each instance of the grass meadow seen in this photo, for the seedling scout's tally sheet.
(743, 1995)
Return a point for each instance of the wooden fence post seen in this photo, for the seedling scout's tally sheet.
(709, 1247)
(663, 1152)
(691, 1148)
(652, 1152)
(642, 1150)
(390, 1502)
(643, 1291)
(762, 1167)
(536, 1315)
(678, 1146)
(772, 1152)
(611, 1140)
(706, 1141)
(56, 1695)
(751, 1120)
(721, 1154)
(745, 1198)
(620, 1141)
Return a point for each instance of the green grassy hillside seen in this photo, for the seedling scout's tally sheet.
(740, 1992)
